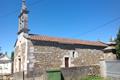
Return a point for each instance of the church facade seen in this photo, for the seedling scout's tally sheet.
(35, 54)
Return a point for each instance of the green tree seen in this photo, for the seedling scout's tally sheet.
(118, 45)
(12, 56)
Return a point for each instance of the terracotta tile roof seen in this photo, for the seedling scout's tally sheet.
(65, 40)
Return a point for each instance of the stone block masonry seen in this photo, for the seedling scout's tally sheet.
(51, 55)
(76, 73)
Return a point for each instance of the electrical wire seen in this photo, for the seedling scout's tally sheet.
(101, 26)
(89, 31)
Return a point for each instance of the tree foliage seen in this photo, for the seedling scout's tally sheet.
(12, 56)
(118, 45)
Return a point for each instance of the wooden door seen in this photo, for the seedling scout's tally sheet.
(66, 61)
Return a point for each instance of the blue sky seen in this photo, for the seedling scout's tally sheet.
(79, 19)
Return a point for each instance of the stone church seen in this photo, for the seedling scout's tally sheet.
(35, 54)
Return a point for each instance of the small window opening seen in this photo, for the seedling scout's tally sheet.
(73, 54)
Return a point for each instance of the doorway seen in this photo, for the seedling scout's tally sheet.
(66, 62)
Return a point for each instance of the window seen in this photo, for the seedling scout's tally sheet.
(73, 54)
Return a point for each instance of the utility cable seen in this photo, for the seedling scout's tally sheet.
(101, 26)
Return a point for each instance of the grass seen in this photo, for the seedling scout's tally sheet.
(93, 78)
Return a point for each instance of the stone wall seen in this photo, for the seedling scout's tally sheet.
(18, 76)
(113, 69)
(76, 73)
(52, 54)
(19, 54)
(88, 57)
(48, 55)
(110, 56)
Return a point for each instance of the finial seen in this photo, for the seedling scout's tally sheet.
(24, 5)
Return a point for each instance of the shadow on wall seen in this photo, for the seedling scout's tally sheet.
(62, 78)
